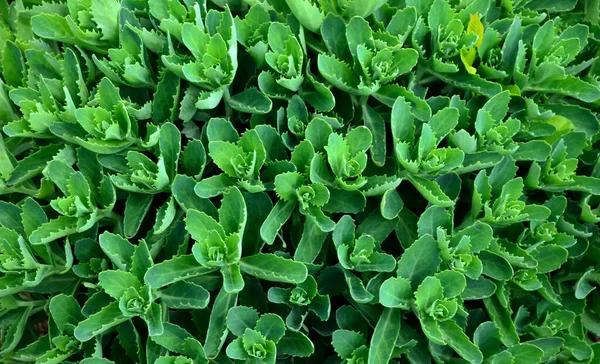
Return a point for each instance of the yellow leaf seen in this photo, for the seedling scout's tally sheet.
(513, 89)
(562, 125)
(467, 56)
(476, 27)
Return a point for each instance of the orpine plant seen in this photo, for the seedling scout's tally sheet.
(265, 181)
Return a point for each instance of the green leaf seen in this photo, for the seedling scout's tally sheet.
(566, 85)
(136, 208)
(495, 266)
(105, 13)
(35, 163)
(357, 289)
(458, 340)
(420, 260)
(338, 73)
(402, 121)
(550, 346)
(118, 250)
(129, 339)
(433, 218)
(376, 225)
(318, 132)
(395, 293)
(278, 216)
(345, 202)
(296, 344)
(17, 319)
(271, 326)
(9, 217)
(431, 191)
(241, 318)
(183, 189)
(96, 361)
(13, 65)
(273, 268)
(549, 257)
(345, 342)
(470, 82)
(166, 97)
(260, 205)
(526, 353)
(389, 95)
(109, 316)
(53, 230)
(232, 214)
(376, 125)
(502, 318)
(217, 326)
(65, 310)
(362, 8)
(199, 224)
(232, 278)
(115, 282)
(153, 319)
(176, 339)
(169, 142)
(177, 269)
(213, 186)
(311, 242)
(384, 337)
(308, 13)
(251, 101)
(453, 282)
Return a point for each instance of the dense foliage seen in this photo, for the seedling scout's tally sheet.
(310, 181)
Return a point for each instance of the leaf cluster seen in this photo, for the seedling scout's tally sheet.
(299, 181)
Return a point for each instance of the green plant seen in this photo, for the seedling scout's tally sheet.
(265, 181)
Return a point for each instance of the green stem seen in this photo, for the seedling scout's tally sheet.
(18, 189)
(226, 98)
(111, 215)
(280, 235)
(98, 347)
(576, 276)
(427, 80)
(165, 312)
(31, 303)
(114, 218)
(50, 255)
(469, 220)
(90, 285)
(36, 309)
(363, 101)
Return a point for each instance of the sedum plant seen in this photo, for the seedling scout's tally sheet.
(292, 181)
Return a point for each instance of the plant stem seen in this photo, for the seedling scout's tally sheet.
(226, 98)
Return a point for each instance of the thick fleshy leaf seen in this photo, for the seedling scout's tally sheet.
(385, 336)
(420, 260)
(251, 101)
(99, 322)
(217, 326)
(177, 269)
(273, 268)
(185, 295)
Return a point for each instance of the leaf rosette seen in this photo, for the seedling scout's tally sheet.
(310, 197)
(260, 338)
(285, 56)
(360, 254)
(219, 244)
(302, 299)
(129, 64)
(374, 64)
(212, 60)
